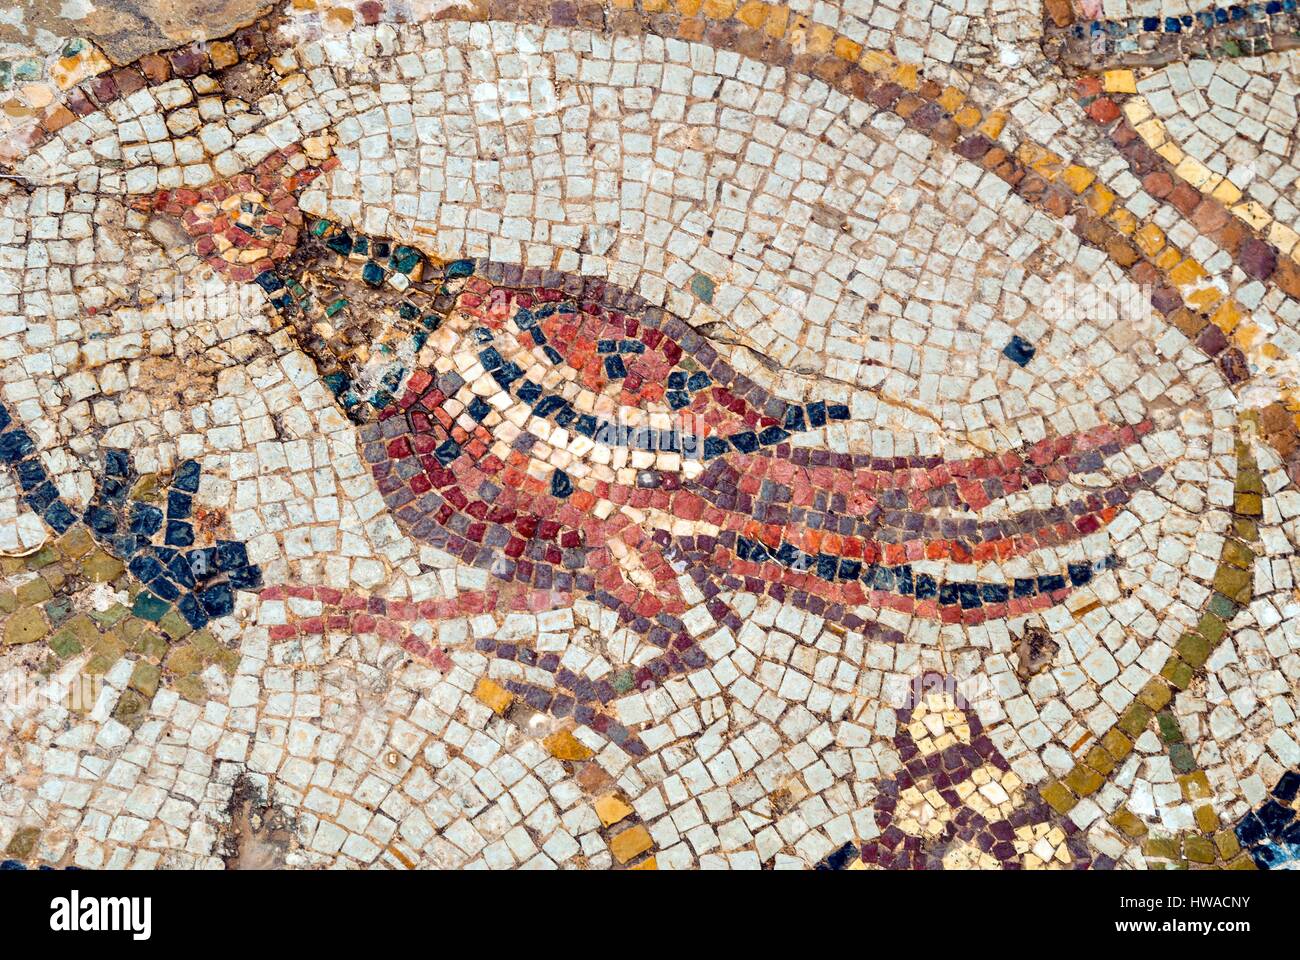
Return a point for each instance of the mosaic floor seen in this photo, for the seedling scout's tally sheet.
(654, 434)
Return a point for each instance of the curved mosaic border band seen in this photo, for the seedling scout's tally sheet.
(1219, 31)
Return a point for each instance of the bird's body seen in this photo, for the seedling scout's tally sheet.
(568, 436)
(564, 434)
